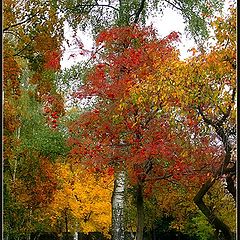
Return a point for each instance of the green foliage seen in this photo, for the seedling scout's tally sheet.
(223, 204)
(70, 79)
(16, 217)
(197, 16)
(46, 141)
(200, 227)
(36, 134)
(74, 74)
(100, 16)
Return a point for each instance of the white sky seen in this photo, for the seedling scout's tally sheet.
(165, 24)
(169, 22)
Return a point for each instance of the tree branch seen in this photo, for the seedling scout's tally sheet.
(20, 23)
(13, 33)
(218, 126)
(230, 186)
(198, 199)
(173, 5)
(212, 218)
(227, 114)
(27, 45)
(165, 176)
(137, 15)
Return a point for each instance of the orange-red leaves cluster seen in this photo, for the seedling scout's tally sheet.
(10, 119)
(45, 184)
(130, 55)
(53, 109)
(52, 60)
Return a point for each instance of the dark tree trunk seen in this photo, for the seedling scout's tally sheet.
(223, 134)
(140, 211)
(66, 221)
(230, 186)
(154, 234)
(212, 218)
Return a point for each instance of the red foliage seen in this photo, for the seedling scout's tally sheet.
(52, 60)
(53, 108)
(133, 136)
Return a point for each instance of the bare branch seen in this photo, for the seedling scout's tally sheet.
(17, 54)
(173, 5)
(165, 177)
(12, 33)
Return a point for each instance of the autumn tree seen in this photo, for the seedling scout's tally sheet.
(216, 104)
(130, 97)
(100, 15)
(83, 200)
(211, 104)
(28, 172)
(108, 83)
(32, 38)
(32, 34)
(214, 112)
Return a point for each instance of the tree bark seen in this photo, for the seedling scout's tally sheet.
(212, 218)
(224, 136)
(230, 186)
(75, 237)
(140, 211)
(118, 207)
(139, 11)
(66, 221)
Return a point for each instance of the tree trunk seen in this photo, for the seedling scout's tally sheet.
(230, 186)
(140, 211)
(75, 236)
(66, 221)
(212, 218)
(118, 207)
(16, 159)
(223, 134)
(154, 234)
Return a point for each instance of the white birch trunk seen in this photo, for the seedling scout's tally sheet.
(118, 207)
(75, 237)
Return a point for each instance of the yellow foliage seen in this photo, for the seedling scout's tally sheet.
(85, 197)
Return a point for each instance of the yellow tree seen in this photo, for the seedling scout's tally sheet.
(83, 200)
